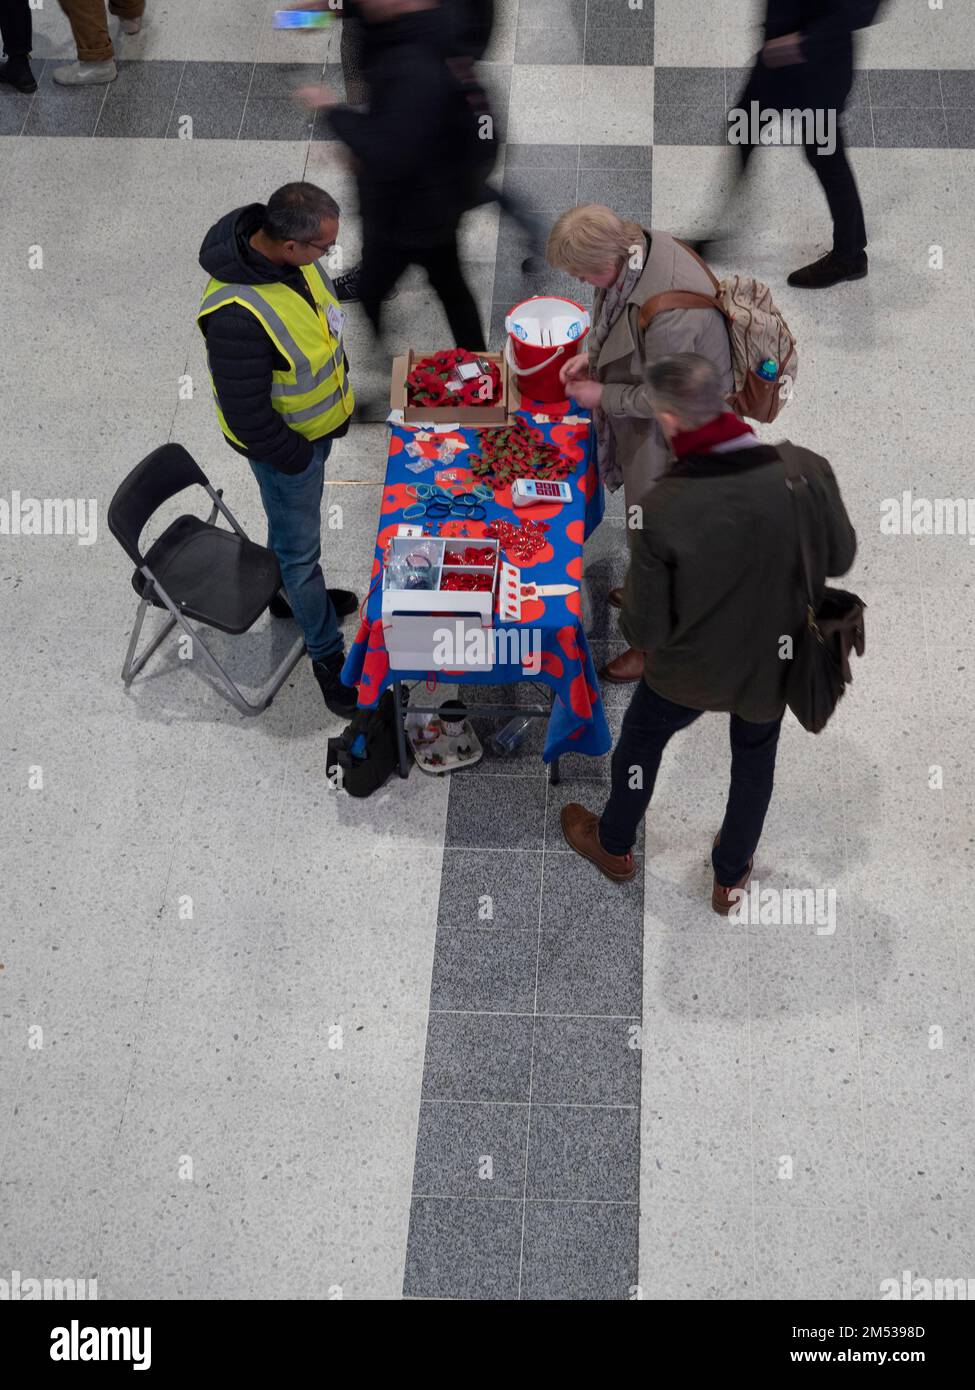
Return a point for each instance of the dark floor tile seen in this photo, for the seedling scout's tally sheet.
(858, 128)
(63, 111)
(471, 1151)
(628, 193)
(219, 118)
(735, 81)
(579, 1153)
(961, 129)
(484, 971)
(586, 1061)
(206, 82)
(483, 814)
(558, 13)
(482, 890)
(689, 88)
(635, 158)
(905, 87)
(594, 969)
(958, 87)
(860, 91)
(575, 895)
(477, 1057)
(675, 124)
(609, 14)
(134, 117)
(279, 81)
(463, 1249)
(519, 156)
(619, 46)
(543, 190)
(580, 1251)
(14, 109)
(546, 44)
(585, 876)
(145, 80)
(274, 118)
(901, 129)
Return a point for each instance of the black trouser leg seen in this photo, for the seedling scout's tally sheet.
(15, 28)
(753, 749)
(839, 185)
(382, 265)
(442, 265)
(648, 725)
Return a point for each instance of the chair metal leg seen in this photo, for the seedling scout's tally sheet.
(554, 775)
(404, 764)
(131, 667)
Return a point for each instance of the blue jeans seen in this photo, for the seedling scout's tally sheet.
(293, 504)
(648, 725)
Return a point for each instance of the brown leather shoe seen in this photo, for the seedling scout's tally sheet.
(720, 895)
(616, 598)
(625, 668)
(581, 829)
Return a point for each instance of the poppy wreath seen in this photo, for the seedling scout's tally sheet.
(427, 383)
(519, 451)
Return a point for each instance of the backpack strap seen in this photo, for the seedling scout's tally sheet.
(794, 479)
(678, 299)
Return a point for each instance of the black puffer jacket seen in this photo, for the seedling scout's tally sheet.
(241, 355)
(412, 145)
(826, 26)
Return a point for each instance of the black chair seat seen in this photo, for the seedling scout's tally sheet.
(213, 576)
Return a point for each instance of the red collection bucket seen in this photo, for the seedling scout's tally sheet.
(543, 333)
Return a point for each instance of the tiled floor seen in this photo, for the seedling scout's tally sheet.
(260, 1040)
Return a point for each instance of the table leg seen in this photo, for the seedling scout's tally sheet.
(554, 775)
(404, 765)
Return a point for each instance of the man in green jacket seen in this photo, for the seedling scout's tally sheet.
(714, 597)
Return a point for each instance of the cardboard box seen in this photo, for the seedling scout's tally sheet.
(483, 416)
(413, 618)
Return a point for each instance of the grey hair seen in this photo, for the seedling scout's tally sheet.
(686, 385)
(296, 212)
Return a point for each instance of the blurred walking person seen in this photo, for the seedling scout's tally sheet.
(96, 54)
(806, 63)
(16, 32)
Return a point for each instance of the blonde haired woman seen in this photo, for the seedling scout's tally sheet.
(628, 265)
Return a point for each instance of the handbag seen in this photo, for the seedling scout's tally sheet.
(831, 630)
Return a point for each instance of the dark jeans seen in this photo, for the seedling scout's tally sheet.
(293, 505)
(648, 726)
(383, 264)
(15, 28)
(789, 88)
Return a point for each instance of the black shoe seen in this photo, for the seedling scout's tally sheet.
(347, 286)
(343, 601)
(340, 699)
(16, 73)
(279, 607)
(829, 270)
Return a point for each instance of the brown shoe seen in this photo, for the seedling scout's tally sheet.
(616, 598)
(581, 829)
(720, 895)
(625, 668)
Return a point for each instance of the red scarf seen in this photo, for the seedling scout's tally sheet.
(716, 431)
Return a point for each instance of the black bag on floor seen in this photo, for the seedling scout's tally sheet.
(362, 775)
(833, 629)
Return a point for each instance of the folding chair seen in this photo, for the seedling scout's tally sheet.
(195, 570)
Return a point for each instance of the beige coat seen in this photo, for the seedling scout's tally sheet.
(642, 451)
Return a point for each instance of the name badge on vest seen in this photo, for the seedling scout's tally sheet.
(336, 319)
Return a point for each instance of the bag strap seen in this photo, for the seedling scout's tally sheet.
(678, 299)
(794, 476)
(702, 263)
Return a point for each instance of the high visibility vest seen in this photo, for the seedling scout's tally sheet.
(313, 395)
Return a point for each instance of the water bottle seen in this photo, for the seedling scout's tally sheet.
(768, 370)
(512, 736)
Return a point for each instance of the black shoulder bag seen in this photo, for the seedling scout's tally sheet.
(832, 629)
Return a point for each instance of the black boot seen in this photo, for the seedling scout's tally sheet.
(340, 699)
(343, 601)
(829, 270)
(16, 73)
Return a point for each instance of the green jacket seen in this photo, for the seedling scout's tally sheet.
(714, 588)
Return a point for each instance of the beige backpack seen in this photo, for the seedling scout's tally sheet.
(756, 331)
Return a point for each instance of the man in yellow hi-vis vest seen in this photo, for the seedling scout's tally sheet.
(273, 330)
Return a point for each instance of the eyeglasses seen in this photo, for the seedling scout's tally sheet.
(318, 246)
